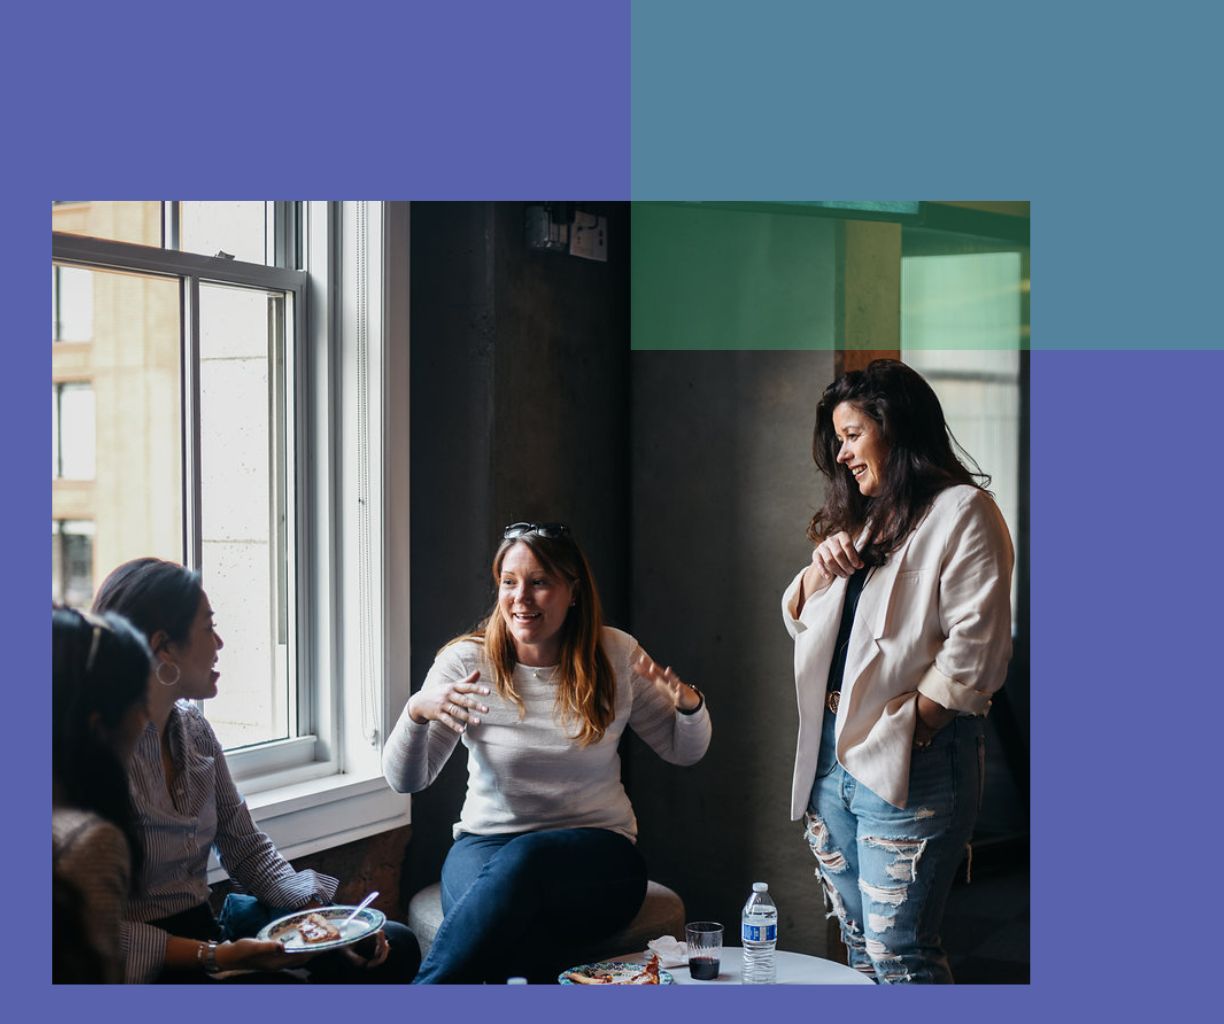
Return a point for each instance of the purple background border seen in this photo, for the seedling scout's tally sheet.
(479, 100)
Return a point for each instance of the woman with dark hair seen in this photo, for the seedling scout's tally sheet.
(100, 670)
(902, 629)
(540, 693)
(187, 803)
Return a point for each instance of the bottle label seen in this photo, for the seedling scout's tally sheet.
(758, 932)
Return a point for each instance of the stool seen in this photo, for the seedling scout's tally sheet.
(662, 913)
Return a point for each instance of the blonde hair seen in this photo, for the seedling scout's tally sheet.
(586, 686)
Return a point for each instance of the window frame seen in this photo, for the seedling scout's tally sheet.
(192, 272)
(324, 787)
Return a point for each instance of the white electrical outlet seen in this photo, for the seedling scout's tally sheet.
(589, 237)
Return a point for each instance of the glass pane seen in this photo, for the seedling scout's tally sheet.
(963, 322)
(962, 301)
(77, 563)
(119, 430)
(237, 229)
(120, 222)
(77, 431)
(57, 564)
(241, 381)
(72, 310)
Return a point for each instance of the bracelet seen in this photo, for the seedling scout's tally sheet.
(700, 701)
(206, 957)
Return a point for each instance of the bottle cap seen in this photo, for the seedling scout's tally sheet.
(760, 887)
(516, 981)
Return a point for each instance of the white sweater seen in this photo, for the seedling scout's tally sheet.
(530, 774)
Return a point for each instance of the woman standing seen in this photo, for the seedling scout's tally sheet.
(100, 668)
(902, 629)
(187, 804)
(540, 693)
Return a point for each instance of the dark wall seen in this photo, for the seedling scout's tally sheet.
(687, 478)
(725, 487)
(520, 368)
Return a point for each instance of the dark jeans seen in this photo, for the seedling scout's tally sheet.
(520, 904)
(243, 916)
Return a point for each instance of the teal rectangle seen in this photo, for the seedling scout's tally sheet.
(705, 277)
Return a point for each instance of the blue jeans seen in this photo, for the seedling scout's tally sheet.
(887, 871)
(519, 904)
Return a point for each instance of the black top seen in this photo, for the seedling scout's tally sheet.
(854, 587)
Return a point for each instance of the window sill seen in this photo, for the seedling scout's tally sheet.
(319, 814)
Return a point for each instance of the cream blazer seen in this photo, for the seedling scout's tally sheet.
(934, 619)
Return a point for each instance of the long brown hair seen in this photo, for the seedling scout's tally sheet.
(920, 461)
(586, 686)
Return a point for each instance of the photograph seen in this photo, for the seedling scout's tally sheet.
(648, 399)
(333, 484)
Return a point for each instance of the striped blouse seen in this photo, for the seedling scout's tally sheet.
(177, 831)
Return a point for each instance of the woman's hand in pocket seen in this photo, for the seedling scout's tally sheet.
(929, 718)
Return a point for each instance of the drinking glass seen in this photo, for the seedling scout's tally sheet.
(705, 941)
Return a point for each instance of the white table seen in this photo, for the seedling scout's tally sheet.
(793, 969)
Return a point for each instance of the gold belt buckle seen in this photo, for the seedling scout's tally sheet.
(832, 700)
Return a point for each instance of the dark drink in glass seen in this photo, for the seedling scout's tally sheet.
(703, 968)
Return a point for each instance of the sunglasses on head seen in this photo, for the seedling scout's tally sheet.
(550, 530)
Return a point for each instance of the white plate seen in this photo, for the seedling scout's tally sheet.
(284, 930)
(618, 971)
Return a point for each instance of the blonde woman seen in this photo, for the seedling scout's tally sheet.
(540, 693)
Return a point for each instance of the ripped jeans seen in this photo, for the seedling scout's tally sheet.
(887, 871)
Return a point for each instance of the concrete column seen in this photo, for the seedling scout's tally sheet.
(869, 293)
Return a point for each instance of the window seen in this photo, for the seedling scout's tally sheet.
(72, 431)
(139, 223)
(238, 426)
(242, 230)
(964, 327)
(251, 232)
(72, 572)
(71, 304)
(244, 376)
(191, 415)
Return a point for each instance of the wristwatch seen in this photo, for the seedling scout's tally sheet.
(206, 956)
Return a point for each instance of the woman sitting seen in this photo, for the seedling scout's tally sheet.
(100, 670)
(540, 693)
(187, 804)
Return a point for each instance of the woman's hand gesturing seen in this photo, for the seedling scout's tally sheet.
(452, 704)
(678, 692)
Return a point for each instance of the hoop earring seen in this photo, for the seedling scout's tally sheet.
(177, 673)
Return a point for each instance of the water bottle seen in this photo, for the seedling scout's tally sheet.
(759, 937)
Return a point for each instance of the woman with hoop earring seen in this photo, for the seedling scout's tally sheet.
(187, 804)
